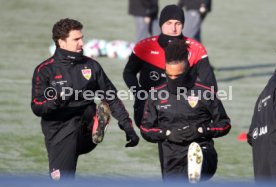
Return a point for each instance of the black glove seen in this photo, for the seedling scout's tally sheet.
(192, 132)
(62, 93)
(174, 135)
(59, 101)
(131, 137)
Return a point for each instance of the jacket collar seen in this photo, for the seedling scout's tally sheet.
(164, 39)
(68, 56)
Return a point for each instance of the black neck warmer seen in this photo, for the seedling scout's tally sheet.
(68, 56)
(181, 84)
(164, 40)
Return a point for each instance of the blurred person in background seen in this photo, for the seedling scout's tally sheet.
(145, 13)
(70, 121)
(183, 116)
(195, 13)
(146, 64)
(262, 133)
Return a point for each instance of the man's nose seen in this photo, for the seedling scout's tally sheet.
(174, 28)
(81, 42)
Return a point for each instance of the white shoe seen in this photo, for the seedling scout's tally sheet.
(195, 160)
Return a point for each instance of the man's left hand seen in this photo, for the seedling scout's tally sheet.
(131, 138)
(192, 132)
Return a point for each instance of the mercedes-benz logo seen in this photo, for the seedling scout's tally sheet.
(154, 76)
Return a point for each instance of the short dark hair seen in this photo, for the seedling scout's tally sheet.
(62, 28)
(177, 52)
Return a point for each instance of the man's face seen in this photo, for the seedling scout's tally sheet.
(73, 43)
(173, 71)
(172, 27)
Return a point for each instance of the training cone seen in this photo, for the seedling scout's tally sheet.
(242, 137)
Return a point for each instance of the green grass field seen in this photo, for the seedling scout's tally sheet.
(239, 36)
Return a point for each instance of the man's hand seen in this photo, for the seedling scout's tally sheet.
(147, 20)
(187, 133)
(175, 135)
(131, 138)
(192, 132)
(60, 100)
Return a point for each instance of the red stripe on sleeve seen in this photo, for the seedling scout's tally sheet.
(149, 130)
(39, 102)
(221, 128)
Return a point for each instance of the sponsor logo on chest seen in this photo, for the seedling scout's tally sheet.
(263, 103)
(165, 107)
(259, 132)
(154, 76)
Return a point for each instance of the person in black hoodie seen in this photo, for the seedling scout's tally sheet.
(183, 116)
(145, 13)
(262, 133)
(63, 89)
(148, 59)
(195, 13)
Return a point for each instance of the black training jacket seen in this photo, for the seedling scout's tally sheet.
(262, 132)
(195, 4)
(143, 8)
(192, 108)
(83, 75)
(148, 60)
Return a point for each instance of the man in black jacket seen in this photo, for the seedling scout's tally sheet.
(145, 13)
(183, 116)
(148, 59)
(63, 90)
(195, 13)
(262, 133)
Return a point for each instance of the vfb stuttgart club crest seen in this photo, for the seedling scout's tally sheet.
(86, 73)
(192, 100)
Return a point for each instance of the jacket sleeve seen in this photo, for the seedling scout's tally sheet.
(151, 7)
(260, 116)
(149, 128)
(181, 3)
(131, 70)
(208, 4)
(254, 121)
(206, 74)
(220, 124)
(41, 106)
(117, 108)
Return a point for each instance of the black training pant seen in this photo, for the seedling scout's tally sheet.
(64, 149)
(174, 163)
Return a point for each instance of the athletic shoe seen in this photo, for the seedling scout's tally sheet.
(100, 122)
(195, 160)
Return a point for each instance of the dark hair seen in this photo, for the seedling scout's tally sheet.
(177, 52)
(62, 28)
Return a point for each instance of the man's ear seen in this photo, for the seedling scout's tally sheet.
(61, 43)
